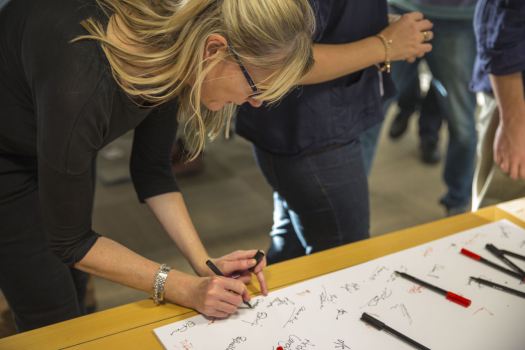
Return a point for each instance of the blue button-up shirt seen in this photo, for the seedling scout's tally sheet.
(500, 35)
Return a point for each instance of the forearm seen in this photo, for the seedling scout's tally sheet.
(509, 93)
(406, 41)
(173, 215)
(335, 61)
(111, 260)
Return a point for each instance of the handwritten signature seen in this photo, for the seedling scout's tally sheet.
(294, 316)
(187, 325)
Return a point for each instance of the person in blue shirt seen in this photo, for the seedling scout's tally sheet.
(307, 146)
(450, 63)
(499, 73)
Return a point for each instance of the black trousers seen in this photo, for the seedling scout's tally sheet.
(39, 288)
(320, 200)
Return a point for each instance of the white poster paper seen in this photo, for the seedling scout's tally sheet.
(324, 313)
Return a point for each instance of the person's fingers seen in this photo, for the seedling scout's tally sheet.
(225, 307)
(411, 59)
(229, 266)
(504, 165)
(427, 35)
(514, 169)
(246, 295)
(240, 254)
(426, 47)
(521, 174)
(217, 314)
(415, 15)
(234, 285)
(260, 266)
(245, 277)
(424, 25)
(262, 283)
(497, 157)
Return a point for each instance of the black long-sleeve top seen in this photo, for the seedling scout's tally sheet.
(60, 104)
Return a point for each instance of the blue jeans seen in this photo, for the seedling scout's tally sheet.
(450, 62)
(320, 200)
(409, 99)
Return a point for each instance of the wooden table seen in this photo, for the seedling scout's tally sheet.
(130, 326)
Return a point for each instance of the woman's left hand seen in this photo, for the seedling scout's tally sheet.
(241, 263)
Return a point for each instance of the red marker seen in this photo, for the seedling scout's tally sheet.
(279, 348)
(481, 259)
(455, 298)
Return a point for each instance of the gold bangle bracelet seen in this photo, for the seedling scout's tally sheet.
(387, 43)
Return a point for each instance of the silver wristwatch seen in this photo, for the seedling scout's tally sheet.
(159, 283)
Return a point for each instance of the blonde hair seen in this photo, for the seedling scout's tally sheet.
(271, 35)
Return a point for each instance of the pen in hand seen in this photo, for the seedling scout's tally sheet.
(218, 272)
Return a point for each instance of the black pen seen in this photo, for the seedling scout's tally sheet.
(482, 260)
(453, 297)
(501, 255)
(515, 255)
(218, 272)
(374, 322)
(498, 286)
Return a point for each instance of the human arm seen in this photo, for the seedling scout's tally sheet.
(152, 176)
(334, 61)
(509, 142)
(500, 34)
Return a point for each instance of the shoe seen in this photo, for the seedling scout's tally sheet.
(430, 152)
(399, 124)
(456, 211)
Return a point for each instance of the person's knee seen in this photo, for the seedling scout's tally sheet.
(464, 135)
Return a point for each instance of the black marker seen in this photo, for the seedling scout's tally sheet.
(501, 255)
(218, 272)
(498, 286)
(515, 255)
(482, 260)
(381, 326)
(258, 258)
(453, 297)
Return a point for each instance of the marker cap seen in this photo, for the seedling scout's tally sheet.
(458, 299)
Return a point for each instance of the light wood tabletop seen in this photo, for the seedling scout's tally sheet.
(130, 326)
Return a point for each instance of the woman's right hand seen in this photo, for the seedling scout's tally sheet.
(214, 296)
(408, 39)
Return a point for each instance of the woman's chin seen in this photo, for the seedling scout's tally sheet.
(214, 106)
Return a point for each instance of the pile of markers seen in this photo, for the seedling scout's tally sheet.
(511, 270)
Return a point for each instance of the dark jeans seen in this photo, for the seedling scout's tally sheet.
(320, 200)
(409, 99)
(450, 62)
(39, 288)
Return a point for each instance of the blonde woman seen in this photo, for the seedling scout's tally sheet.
(75, 75)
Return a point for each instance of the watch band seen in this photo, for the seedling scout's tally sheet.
(158, 285)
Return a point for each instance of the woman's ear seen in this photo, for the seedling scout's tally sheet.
(214, 44)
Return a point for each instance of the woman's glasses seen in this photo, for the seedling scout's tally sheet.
(244, 71)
